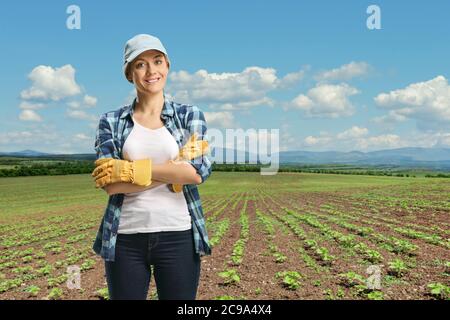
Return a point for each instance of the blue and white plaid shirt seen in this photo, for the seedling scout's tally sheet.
(114, 127)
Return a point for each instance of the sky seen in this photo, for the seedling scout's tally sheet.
(329, 75)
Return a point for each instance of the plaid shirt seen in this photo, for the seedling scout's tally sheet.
(114, 127)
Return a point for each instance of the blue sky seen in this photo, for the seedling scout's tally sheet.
(348, 87)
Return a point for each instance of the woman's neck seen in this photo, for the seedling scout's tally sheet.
(148, 104)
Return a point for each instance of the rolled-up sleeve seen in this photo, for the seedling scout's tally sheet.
(104, 140)
(196, 123)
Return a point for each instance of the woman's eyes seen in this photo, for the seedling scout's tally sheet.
(140, 64)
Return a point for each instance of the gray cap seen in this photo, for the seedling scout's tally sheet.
(138, 44)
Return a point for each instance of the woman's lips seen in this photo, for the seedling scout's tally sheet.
(152, 80)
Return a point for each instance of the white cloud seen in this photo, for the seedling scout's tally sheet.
(317, 141)
(51, 84)
(251, 84)
(391, 118)
(428, 102)
(354, 138)
(42, 137)
(54, 84)
(353, 132)
(441, 140)
(384, 141)
(326, 100)
(345, 72)
(81, 115)
(244, 105)
(229, 91)
(429, 139)
(361, 141)
(90, 101)
(31, 106)
(223, 119)
(86, 102)
(29, 115)
(82, 137)
(287, 140)
(32, 138)
(74, 104)
(291, 79)
(260, 140)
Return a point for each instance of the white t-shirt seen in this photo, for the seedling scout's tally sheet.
(157, 209)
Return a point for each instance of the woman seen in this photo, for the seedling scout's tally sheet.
(142, 149)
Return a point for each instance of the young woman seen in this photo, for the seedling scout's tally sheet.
(145, 152)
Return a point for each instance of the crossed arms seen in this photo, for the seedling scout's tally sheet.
(179, 172)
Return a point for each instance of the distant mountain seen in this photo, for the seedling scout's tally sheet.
(416, 154)
(391, 156)
(438, 158)
(425, 157)
(25, 153)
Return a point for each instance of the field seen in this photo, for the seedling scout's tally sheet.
(288, 236)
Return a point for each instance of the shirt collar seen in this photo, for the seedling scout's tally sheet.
(167, 110)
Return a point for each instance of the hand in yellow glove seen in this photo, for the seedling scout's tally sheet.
(109, 170)
(191, 150)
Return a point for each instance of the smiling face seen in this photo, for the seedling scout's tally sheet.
(149, 71)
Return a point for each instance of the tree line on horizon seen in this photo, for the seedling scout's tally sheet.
(87, 166)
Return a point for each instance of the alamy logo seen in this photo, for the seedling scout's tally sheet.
(374, 20)
(73, 277)
(251, 146)
(373, 282)
(74, 20)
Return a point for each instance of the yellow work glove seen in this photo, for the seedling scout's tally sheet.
(191, 150)
(109, 170)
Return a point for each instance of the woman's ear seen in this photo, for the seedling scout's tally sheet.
(129, 78)
(127, 73)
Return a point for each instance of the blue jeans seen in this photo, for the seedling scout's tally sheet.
(176, 266)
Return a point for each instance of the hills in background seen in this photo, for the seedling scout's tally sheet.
(436, 158)
(25, 153)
